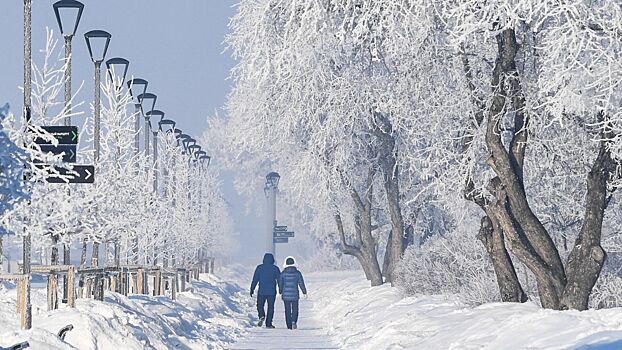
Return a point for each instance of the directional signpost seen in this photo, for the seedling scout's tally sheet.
(281, 235)
(67, 137)
(80, 174)
(280, 239)
(68, 151)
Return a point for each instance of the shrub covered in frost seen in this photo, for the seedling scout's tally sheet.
(453, 264)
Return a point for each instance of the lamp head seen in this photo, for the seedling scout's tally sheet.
(156, 113)
(68, 14)
(206, 159)
(117, 68)
(97, 42)
(272, 180)
(147, 102)
(137, 86)
(167, 125)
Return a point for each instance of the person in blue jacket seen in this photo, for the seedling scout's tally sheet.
(290, 280)
(267, 275)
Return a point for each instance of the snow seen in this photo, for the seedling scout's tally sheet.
(360, 317)
(311, 333)
(211, 316)
(342, 312)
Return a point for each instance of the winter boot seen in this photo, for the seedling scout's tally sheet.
(261, 322)
(269, 326)
(294, 325)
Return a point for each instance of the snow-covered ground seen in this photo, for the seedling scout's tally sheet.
(360, 317)
(343, 309)
(211, 316)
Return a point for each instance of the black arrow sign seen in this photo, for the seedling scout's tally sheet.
(69, 151)
(280, 228)
(80, 174)
(280, 239)
(66, 135)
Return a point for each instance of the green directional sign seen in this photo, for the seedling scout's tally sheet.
(65, 135)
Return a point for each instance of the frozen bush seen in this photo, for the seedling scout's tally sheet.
(452, 264)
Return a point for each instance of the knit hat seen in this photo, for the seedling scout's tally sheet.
(289, 261)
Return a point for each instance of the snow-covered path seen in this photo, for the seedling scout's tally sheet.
(311, 334)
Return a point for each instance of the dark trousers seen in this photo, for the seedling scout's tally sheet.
(291, 312)
(261, 301)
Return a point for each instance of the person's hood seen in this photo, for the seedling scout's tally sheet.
(285, 265)
(268, 258)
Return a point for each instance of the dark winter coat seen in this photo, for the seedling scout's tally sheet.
(267, 275)
(290, 280)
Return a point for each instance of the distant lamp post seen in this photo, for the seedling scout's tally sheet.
(137, 87)
(194, 149)
(97, 42)
(147, 102)
(187, 143)
(199, 154)
(68, 14)
(117, 70)
(206, 160)
(181, 138)
(155, 113)
(272, 183)
(167, 126)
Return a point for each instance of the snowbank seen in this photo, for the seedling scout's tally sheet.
(360, 317)
(211, 316)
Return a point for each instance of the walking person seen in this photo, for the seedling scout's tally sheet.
(267, 276)
(290, 280)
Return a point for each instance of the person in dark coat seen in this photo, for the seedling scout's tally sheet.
(267, 276)
(290, 280)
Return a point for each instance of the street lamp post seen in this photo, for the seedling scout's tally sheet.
(26, 312)
(272, 183)
(155, 113)
(97, 41)
(147, 101)
(167, 127)
(68, 14)
(117, 70)
(137, 87)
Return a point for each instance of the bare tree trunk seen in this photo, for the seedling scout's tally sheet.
(529, 240)
(388, 163)
(587, 256)
(368, 261)
(491, 235)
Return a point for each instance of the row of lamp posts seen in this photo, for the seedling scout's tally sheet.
(68, 14)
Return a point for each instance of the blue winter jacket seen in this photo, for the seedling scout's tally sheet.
(267, 275)
(290, 280)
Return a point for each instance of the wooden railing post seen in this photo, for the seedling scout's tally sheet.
(71, 292)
